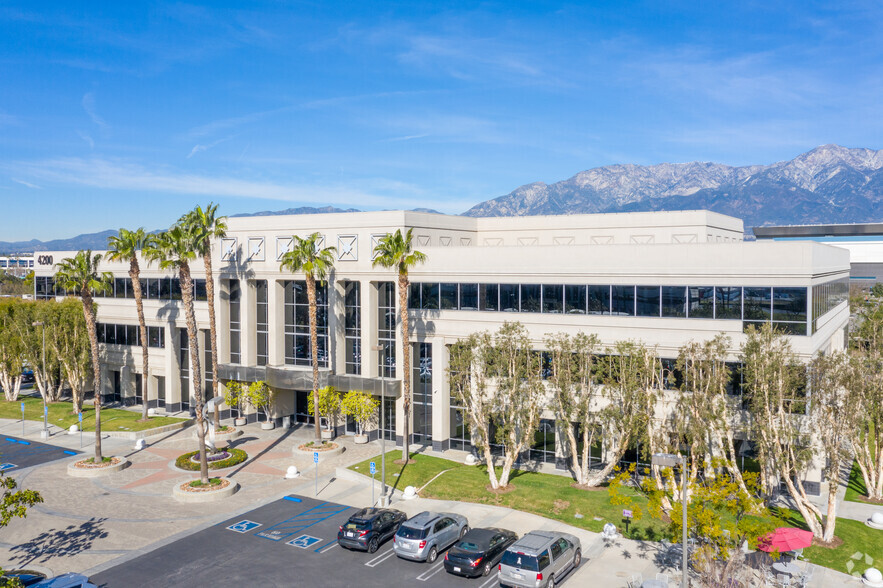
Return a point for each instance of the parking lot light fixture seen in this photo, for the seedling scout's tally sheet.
(670, 460)
(383, 499)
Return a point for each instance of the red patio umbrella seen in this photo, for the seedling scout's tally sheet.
(785, 539)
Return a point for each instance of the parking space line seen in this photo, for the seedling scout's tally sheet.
(431, 572)
(330, 547)
(321, 547)
(379, 559)
(496, 578)
(299, 523)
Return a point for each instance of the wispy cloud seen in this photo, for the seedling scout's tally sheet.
(28, 184)
(89, 106)
(122, 175)
(88, 139)
(200, 147)
(405, 138)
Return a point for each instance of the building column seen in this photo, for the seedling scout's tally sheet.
(248, 322)
(336, 326)
(441, 397)
(276, 322)
(370, 358)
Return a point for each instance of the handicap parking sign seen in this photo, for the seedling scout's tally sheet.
(373, 468)
(243, 526)
(315, 457)
(304, 541)
(6, 466)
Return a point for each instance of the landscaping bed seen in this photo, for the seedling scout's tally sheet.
(60, 415)
(223, 459)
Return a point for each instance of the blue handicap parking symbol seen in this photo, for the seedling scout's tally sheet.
(373, 468)
(6, 466)
(304, 541)
(315, 457)
(243, 526)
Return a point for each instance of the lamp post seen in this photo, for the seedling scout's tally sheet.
(384, 501)
(671, 460)
(44, 434)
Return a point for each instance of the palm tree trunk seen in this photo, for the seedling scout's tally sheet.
(89, 313)
(314, 347)
(213, 328)
(195, 374)
(406, 365)
(135, 274)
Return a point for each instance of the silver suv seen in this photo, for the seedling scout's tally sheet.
(423, 536)
(539, 559)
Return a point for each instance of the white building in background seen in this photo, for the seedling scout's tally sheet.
(664, 278)
(17, 265)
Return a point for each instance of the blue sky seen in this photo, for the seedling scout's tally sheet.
(129, 113)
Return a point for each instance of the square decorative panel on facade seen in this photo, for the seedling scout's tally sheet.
(228, 249)
(283, 246)
(375, 239)
(348, 247)
(256, 249)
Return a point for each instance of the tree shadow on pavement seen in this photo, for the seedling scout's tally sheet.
(67, 542)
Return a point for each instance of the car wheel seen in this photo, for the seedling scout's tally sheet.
(551, 583)
(372, 545)
(486, 569)
(577, 558)
(433, 554)
(464, 530)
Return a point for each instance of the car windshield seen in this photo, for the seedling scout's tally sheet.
(520, 560)
(411, 533)
(356, 525)
(469, 546)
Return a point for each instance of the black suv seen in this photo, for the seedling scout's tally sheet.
(370, 527)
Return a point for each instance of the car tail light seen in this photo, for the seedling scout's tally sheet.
(499, 567)
(475, 563)
(393, 538)
(363, 533)
(539, 576)
(422, 544)
(340, 529)
(446, 557)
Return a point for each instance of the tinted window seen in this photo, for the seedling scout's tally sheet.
(553, 299)
(411, 533)
(414, 295)
(530, 298)
(575, 299)
(789, 304)
(544, 560)
(674, 301)
(468, 296)
(469, 546)
(448, 296)
(623, 298)
(647, 300)
(519, 560)
(488, 295)
(757, 303)
(556, 550)
(509, 297)
(429, 296)
(599, 299)
(701, 302)
(728, 302)
(356, 525)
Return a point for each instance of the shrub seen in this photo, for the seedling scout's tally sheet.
(237, 456)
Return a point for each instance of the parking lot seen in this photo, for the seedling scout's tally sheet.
(289, 541)
(17, 454)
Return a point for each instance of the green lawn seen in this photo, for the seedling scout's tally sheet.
(553, 497)
(856, 489)
(112, 419)
(543, 494)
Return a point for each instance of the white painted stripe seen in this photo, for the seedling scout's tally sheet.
(329, 548)
(431, 572)
(379, 559)
(494, 578)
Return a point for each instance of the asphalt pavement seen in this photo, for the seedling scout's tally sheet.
(17, 453)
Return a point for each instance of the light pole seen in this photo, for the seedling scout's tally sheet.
(670, 460)
(383, 499)
(44, 434)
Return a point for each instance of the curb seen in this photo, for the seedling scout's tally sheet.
(210, 496)
(322, 454)
(134, 435)
(76, 472)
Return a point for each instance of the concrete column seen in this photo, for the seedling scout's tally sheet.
(222, 315)
(370, 357)
(276, 320)
(336, 327)
(441, 397)
(173, 370)
(248, 322)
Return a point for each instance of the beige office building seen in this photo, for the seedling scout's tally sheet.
(663, 278)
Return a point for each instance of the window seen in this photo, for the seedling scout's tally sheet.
(598, 299)
(421, 356)
(674, 301)
(207, 365)
(353, 327)
(386, 329)
(544, 560)
(448, 294)
(429, 296)
(489, 296)
(556, 550)
(700, 303)
(156, 337)
(647, 300)
(575, 299)
(553, 299)
(509, 297)
(623, 300)
(530, 298)
(758, 303)
(199, 292)
(468, 296)
(184, 367)
(728, 302)
(543, 447)
(297, 324)
(262, 324)
(114, 334)
(235, 322)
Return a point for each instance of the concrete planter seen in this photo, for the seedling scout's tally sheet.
(308, 452)
(327, 434)
(118, 464)
(221, 438)
(268, 426)
(210, 495)
(240, 422)
(360, 439)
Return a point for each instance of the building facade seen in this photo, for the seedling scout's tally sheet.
(663, 278)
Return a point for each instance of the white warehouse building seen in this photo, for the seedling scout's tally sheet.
(663, 278)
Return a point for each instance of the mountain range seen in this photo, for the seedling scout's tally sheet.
(829, 184)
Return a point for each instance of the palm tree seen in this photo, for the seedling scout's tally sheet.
(316, 264)
(205, 226)
(125, 247)
(175, 249)
(80, 274)
(394, 251)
